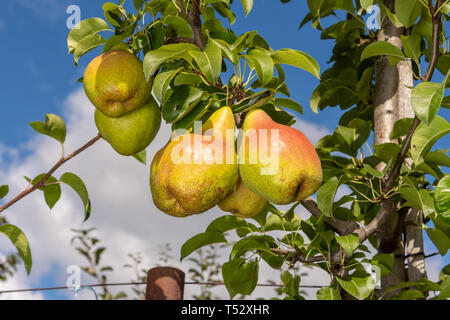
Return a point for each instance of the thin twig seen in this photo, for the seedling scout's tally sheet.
(41, 182)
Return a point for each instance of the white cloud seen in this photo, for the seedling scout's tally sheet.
(122, 208)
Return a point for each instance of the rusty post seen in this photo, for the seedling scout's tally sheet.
(165, 283)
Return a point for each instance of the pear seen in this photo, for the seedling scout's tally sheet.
(115, 83)
(132, 132)
(195, 171)
(243, 203)
(277, 162)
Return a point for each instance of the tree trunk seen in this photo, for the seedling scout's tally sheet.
(389, 95)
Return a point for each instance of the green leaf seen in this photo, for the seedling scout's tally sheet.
(349, 243)
(78, 186)
(161, 83)
(411, 45)
(240, 276)
(250, 243)
(420, 199)
(446, 102)
(181, 102)
(425, 136)
(385, 262)
(401, 128)
(407, 11)
(141, 156)
(248, 5)
(297, 59)
(289, 103)
(201, 240)
(442, 198)
(20, 241)
(272, 259)
(440, 240)
(52, 193)
(380, 48)
(226, 223)
(85, 29)
(426, 99)
(155, 58)
(179, 25)
(209, 61)
(87, 44)
(408, 295)
(54, 127)
(358, 287)
(261, 61)
(325, 196)
(4, 191)
(328, 293)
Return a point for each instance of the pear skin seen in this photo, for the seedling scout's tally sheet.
(243, 203)
(282, 165)
(115, 83)
(188, 177)
(132, 132)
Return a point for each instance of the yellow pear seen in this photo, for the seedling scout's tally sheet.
(195, 171)
(115, 83)
(243, 203)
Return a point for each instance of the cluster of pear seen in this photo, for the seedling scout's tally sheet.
(241, 187)
(126, 115)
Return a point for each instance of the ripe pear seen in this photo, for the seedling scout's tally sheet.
(243, 203)
(195, 171)
(115, 83)
(132, 132)
(277, 162)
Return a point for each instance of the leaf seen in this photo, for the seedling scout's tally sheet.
(401, 128)
(425, 136)
(440, 240)
(209, 61)
(240, 276)
(248, 5)
(289, 103)
(85, 29)
(180, 26)
(54, 127)
(226, 223)
(349, 243)
(420, 199)
(442, 198)
(358, 287)
(20, 241)
(408, 295)
(411, 45)
(297, 59)
(328, 293)
(261, 61)
(250, 243)
(52, 193)
(181, 102)
(426, 99)
(161, 83)
(407, 11)
(87, 44)
(141, 156)
(325, 196)
(201, 240)
(78, 186)
(380, 48)
(155, 58)
(272, 259)
(385, 263)
(4, 191)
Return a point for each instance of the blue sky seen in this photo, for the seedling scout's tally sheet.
(38, 74)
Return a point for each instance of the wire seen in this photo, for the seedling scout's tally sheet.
(142, 283)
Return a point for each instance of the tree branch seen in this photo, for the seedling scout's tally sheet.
(193, 17)
(41, 182)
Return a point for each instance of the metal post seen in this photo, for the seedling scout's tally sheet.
(165, 283)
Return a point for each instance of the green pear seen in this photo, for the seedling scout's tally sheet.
(132, 132)
(115, 83)
(195, 171)
(243, 203)
(277, 162)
